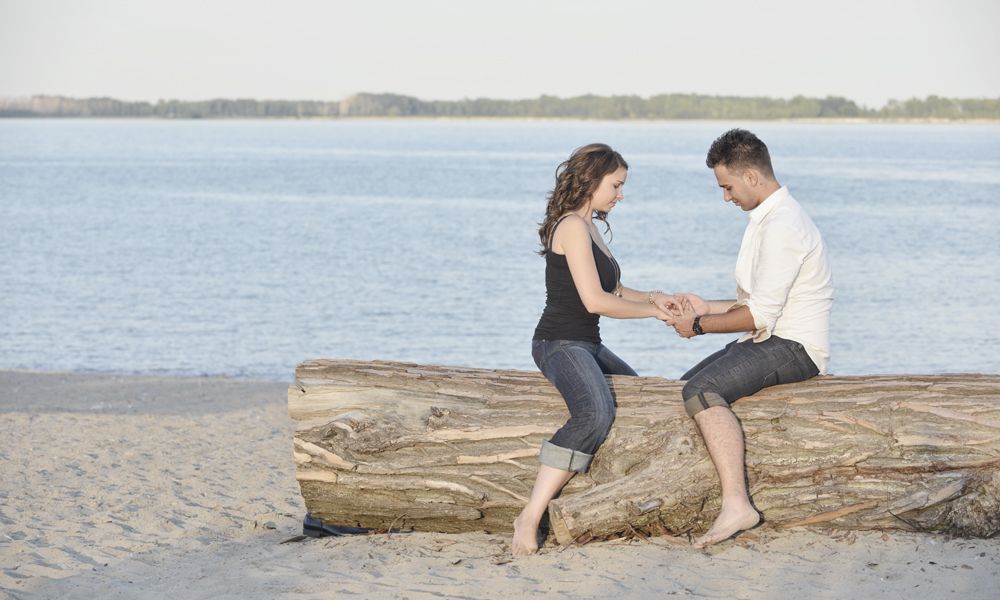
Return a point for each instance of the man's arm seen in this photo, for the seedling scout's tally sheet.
(736, 320)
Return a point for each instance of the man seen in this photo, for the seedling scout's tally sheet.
(783, 298)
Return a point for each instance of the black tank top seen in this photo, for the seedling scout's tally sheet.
(565, 317)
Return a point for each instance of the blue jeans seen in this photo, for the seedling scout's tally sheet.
(577, 370)
(743, 369)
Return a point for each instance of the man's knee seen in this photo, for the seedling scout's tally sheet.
(698, 395)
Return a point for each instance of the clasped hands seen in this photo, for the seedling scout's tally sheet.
(679, 310)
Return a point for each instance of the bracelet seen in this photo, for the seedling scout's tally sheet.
(618, 290)
(651, 294)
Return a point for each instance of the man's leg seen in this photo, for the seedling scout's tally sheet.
(723, 437)
(742, 370)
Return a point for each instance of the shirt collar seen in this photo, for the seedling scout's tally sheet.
(768, 204)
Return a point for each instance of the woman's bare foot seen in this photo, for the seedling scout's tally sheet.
(728, 523)
(525, 540)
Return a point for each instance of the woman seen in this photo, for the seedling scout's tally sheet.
(582, 282)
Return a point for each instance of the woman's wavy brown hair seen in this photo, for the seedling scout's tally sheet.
(576, 181)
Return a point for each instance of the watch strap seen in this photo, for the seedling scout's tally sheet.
(696, 326)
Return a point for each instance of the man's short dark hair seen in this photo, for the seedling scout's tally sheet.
(739, 150)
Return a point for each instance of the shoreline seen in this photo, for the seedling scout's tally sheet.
(421, 118)
(145, 487)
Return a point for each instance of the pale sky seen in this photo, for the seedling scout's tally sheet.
(868, 51)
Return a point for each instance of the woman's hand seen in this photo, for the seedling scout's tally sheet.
(697, 303)
(668, 317)
(670, 306)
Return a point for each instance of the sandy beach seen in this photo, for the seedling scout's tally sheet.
(145, 487)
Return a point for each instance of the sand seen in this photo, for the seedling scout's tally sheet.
(143, 487)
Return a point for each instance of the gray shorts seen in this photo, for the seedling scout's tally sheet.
(743, 369)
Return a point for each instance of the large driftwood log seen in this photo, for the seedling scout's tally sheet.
(449, 449)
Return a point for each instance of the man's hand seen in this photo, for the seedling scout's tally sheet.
(698, 304)
(670, 307)
(684, 324)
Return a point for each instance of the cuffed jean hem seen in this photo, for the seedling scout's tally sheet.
(702, 401)
(558, 457)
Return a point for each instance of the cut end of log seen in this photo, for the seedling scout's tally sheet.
(977, 512)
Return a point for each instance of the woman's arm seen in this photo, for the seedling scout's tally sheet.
(573, 238)
(640, 296)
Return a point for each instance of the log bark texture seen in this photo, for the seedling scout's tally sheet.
(383, 444)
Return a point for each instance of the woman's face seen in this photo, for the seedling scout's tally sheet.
(609, 192)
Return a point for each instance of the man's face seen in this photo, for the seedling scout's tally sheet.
(736, 187)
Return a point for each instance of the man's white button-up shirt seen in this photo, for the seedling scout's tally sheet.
(783, 276)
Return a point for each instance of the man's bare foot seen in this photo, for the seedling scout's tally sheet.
(525, 540)
(729, 523)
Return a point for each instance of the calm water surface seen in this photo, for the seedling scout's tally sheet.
(242, 248)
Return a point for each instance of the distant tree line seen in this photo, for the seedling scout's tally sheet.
(665, 106)
(60, 106)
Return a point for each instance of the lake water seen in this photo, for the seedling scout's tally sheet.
(244, 247)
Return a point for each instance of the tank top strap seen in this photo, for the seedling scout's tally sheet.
(552, 232)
